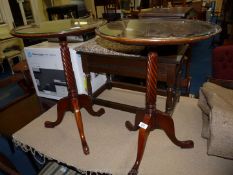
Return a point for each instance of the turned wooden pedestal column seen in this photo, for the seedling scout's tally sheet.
(151, 118)
(74, 101)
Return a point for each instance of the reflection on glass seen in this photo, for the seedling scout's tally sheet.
(158, 29)
(61, 26)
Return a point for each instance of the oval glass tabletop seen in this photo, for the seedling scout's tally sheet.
(58, 28)
(157, 31)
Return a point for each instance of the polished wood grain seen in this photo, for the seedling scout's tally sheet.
(153, 118)
(152, 32)
(58, 28)
(74, 102)
(168, 72)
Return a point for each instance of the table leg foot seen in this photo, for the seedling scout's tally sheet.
(133, 171)
(142, 139)
(138, 118)
(155, 120)
(79, 123)
(165, 122)
(62, 107)
(86, 102)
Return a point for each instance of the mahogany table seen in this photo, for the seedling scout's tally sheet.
(152, 32)
(73, 102)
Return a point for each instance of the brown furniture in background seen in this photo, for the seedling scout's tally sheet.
(10, 48)
(199, 10)
(62, 12)
(178, 2)
(222, 63)
(22, 68)
(173, 12)
(22, 77)
(109, 5)
(227, 21)
(18, 112)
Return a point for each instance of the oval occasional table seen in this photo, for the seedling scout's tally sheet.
(152, 32)
(73, 102)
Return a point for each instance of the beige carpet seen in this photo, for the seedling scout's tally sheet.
(113, 148)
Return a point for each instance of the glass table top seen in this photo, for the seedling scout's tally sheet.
(58, 28)
(157, 31)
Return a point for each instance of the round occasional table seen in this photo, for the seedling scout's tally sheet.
(152, 32)
(73, 102)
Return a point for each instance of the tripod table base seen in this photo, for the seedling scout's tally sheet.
(74, 105)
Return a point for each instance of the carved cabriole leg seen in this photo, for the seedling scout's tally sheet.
(63, 105)
(165, 122)
(79, 123)
(138, 118)
(142, 139)
(86, 102)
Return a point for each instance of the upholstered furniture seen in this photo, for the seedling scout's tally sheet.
(217, 104)
(217, 112)
(223, 62)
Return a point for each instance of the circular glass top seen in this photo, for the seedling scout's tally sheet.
(157, 31)
(58, 28)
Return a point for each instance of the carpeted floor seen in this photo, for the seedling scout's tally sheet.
(200, 69)
(113, 148)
